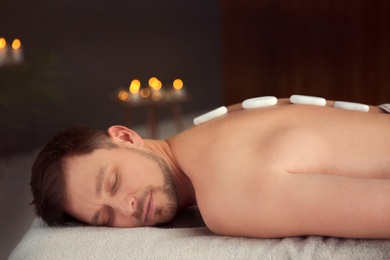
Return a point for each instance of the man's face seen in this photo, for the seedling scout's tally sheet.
(122, 187)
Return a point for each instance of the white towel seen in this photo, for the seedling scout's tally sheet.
(175, 241)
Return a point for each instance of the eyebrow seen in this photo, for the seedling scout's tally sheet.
(99, 188)
(100, 179)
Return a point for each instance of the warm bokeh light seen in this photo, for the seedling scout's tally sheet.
(154, 83)
(156, 96)
(16, 44)
(157, 85)
(177, 84)
(145, 92)
(3, 43)
(152, 80)
(134, 86)
(123, 95)
(151, 91)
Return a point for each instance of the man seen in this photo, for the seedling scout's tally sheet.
(277, 171)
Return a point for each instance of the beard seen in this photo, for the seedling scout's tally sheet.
(168, 211)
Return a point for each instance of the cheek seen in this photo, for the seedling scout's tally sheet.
(142, 177)
(132, 184)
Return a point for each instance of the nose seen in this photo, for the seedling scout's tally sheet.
(125, 205)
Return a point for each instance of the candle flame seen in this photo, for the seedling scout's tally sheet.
(152, 82)
(3, 43)
(134, 86)
(16, 44)
(177, 84)
(156, 85)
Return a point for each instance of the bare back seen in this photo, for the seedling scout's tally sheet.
(291, 170)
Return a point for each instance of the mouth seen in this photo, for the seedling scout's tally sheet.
(149, 208)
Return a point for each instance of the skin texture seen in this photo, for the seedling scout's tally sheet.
(285, 170)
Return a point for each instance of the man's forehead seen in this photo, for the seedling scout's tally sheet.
(84, 156)
(81, 162)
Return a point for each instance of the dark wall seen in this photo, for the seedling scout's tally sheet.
(79, 52)
(334, 49)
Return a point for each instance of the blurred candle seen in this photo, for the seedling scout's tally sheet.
(3, 52)
(155, 85)
(158, 85)
(178, 86)
(17, 52)
(134, 89)
(124, 95)
(153, 81)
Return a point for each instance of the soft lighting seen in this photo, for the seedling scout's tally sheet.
(157, 85)
(123, 95)
(152, 80)
(156, 96)
(134, 86)
(3, 43)
(145, 93)
(16, 44)
(177, 84)
(154, 83)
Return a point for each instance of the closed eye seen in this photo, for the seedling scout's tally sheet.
(115, 183)
(107, 216)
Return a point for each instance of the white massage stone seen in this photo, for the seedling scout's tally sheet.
(259, 102)
(385, 107)
(307, 100)
(351, 106)
(210, 115)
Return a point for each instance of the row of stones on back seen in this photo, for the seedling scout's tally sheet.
(294, 99)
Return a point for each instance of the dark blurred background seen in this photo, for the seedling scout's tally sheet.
(77, 53)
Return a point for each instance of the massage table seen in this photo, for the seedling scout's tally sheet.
(185, 237)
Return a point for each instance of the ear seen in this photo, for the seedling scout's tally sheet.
(124, 134)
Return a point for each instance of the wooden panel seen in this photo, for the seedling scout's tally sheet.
(335, 49)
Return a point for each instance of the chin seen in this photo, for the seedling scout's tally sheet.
(166, 216)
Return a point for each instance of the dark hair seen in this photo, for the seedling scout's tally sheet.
(48, 180)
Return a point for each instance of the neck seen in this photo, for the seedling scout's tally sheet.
(185, 189)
